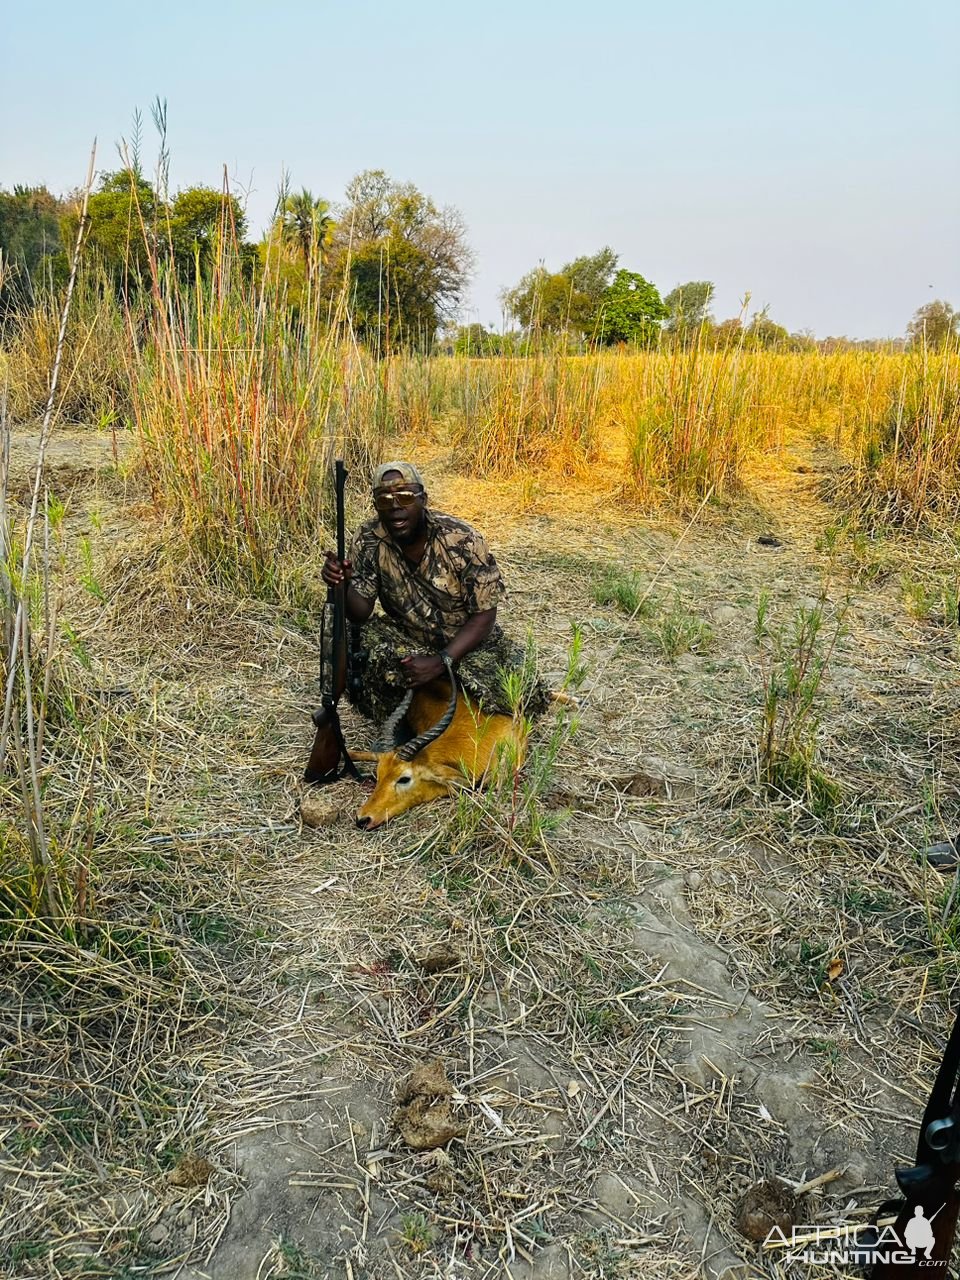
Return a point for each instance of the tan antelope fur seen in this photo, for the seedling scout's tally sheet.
(454, 746)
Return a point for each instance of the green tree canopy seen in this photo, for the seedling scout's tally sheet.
(688, 306)
(31, 244)
(564, 301)
(197, 219)
(29, 226)
(549, 301)
(120, 211)
(128, 221)
(764, 332)
(631, 310)
(306, 224)
(934, 324)
(729, 333)
(406, 261)
(591, 275)
(477, 340)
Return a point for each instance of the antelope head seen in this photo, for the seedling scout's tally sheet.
(406, 774)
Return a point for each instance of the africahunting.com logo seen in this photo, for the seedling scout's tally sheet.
(861, 1244)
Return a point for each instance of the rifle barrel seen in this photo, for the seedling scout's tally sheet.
(339, 637)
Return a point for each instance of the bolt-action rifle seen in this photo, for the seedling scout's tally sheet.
(931, 1201)
(338, 674)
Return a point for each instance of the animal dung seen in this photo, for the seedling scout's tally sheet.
(767, 1204)
(439, 958)
(657, 777)
(322, 806)
(425, 1116)
(190, 1171)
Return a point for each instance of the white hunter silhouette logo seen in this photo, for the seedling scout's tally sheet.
(919, 1232)
(859, 1244)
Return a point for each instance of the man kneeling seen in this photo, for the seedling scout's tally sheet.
(439, 587)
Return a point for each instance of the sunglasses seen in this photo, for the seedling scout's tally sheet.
(388, 499)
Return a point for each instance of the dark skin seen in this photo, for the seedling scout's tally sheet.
(407, 528)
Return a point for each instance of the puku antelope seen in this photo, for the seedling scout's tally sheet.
(455, 744)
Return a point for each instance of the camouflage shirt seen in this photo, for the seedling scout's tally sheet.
(457, 577)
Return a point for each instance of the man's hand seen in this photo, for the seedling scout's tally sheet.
(336, 573)
(421, 668)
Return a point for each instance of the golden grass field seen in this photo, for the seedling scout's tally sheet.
(695, 945)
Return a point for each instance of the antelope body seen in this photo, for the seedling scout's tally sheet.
(455, 745)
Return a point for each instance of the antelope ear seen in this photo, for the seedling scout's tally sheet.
(362, 757)
(445, 774)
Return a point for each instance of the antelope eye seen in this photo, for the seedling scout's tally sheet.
(405, 780)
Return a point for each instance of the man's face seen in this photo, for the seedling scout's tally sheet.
(400, 505)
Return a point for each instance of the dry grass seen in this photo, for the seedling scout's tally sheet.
(240, 411)
(621, 998)
(908, 447)
(94, 385)
(240, 403)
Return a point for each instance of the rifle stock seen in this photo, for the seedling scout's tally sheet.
(940, 1205)
(929, 1187)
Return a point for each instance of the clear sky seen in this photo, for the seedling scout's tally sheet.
(806, 152)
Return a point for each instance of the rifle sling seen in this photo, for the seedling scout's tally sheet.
(348, 766)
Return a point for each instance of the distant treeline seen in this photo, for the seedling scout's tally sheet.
(388, 257)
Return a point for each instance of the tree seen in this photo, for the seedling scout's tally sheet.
(590, 276)
(934, 325)
(631, 310)
(564, 301)
(306, 223)
(122, 215)
(549, 301)
(688, 307)
(728, 333)
(477, 340)
(30, 237)
(406, 261)
(764, 332)
(197, 220)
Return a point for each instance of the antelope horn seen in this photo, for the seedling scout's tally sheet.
(388, 734)
(409, 749)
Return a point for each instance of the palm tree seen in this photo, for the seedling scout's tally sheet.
(305, 222)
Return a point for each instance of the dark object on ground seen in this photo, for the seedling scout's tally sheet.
(927, 1214)
(766, 1205)
(768, 540)
(190, 1171)
(425, 1118)
(440, 957)
(944, 856)
(655, 776)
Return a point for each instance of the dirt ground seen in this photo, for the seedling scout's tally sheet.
(693, 986)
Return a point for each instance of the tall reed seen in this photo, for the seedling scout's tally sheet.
(545, 409)
(25, 590)
(93, 382)
(907, 439)
(240, 405)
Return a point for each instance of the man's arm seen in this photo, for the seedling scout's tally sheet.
(359, 608)
(472, 634)
(421, 667)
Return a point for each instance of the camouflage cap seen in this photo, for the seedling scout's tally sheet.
(406, 469)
